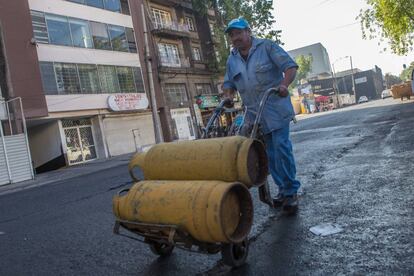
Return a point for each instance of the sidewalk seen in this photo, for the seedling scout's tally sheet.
(67, 173)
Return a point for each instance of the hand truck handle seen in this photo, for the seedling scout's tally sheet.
(262, 104)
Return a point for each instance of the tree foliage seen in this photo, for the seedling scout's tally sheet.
(391, 21)
(391, 79)
(305, 67)
(406, 73)
(257, 12)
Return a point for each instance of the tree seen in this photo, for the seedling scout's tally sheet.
(257, 12)
(391, 20)
(406, 73)
(305, 67)
(390, 80)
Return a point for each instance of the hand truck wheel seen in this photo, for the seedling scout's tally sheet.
(235, 254)
(161, 249)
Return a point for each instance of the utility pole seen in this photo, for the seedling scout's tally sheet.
(353, 78)
(154, 108)
(335, 84)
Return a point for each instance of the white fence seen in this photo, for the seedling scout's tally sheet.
(15, 159)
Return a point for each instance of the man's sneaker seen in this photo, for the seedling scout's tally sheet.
(278, 201)
(291, 204)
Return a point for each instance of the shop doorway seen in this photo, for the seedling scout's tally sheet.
(79, 139)
(183, 123)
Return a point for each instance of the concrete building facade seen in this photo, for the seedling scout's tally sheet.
(183, 43)
(321, 65)
(78, 67)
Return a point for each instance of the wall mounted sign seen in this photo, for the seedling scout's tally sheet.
(128, 102)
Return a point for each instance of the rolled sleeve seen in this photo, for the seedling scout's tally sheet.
(228, 83)
(280, 57)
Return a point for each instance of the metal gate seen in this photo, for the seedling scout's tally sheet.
(79, 141)
(15, 159)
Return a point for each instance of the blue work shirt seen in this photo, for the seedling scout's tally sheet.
(262, 69)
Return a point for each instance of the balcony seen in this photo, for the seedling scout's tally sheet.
(170, 29)
(174, 62)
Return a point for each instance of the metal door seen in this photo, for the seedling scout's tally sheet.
(80, 144)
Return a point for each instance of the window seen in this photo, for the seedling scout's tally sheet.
(58, 28)
(108, 78)
(125, 7)
(112, 5)
(161, 19)
(176, 93)
(203, 89)
(131, 40)
(139, 82)
(48, 78)
(100, 36)
(77, 1)
(190, 24)
(95, 3)
(81, 34)
(196, 54)
(169, 55)
(89, 82)
(118, 38)
(211, 28)
(67, 78)
(39, 27)
(126, 79)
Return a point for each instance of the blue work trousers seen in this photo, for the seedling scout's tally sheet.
(281, 161)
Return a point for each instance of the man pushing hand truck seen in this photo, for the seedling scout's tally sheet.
(254, 68)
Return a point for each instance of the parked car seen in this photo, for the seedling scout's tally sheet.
(363, 99)
(386, 94)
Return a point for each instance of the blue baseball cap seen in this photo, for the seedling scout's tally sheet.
(237, 23)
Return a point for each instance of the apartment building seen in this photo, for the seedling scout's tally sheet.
(78, 67)
(321, 65)
(184, 44)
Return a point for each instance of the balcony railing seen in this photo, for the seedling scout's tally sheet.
(171, 26)
(174, 62)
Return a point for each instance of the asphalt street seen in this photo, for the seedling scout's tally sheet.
(357, 172)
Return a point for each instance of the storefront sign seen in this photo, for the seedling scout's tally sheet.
(126, 102)
(207, 101)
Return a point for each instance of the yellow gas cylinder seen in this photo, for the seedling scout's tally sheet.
(228, 159)
(211, 211)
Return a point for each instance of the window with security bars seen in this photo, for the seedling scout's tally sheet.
(126, 79)
(190, 24)
(176, 93)
(203, 89)
(48, 77)
(39, 27)
(75, 123)
(196, 54)
(169, 55)
(69, 78)
(108, 79)
(89, 81)
(139, 82)
(161, 19)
